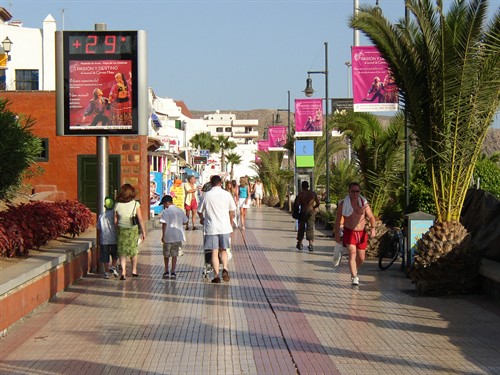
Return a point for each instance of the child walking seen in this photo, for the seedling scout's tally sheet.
(107, 238)
(173, 220)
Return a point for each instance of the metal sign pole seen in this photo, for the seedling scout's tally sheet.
(102, 156)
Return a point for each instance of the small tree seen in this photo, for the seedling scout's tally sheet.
(18, 149)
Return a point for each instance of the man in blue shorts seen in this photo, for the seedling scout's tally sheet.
(216, 213)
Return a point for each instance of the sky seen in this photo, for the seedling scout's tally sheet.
(226, 54)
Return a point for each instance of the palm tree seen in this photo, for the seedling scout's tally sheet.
(234, 159)
(380, 154)
(447, 68)
(204, 141)
(275, 179)
(335, 145)
(223, 144)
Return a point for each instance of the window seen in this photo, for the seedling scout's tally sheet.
(44, 154)
(228, 130)
(2, 80)
(219, 130)
(178, 124)
(26, 79)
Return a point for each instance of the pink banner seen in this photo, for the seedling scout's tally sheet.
(308, 117)
(374, 89)
(277, 138)
(262, 145)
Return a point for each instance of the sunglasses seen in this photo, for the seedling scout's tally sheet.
(354, 191)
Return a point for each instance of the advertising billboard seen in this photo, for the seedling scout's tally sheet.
(101, 79)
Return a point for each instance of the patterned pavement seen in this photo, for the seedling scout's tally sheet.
(283, 312)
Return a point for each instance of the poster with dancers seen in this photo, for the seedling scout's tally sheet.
(374, 89)
(277, 138)
(308, 117)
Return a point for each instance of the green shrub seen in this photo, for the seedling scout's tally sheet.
(18, 149)
(488, 173)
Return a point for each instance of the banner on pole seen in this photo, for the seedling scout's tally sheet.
(374, 89)
(308, 117)
(277, 138)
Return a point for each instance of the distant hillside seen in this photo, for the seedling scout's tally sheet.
(265, 117)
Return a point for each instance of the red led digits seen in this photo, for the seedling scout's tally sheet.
(110, 43)
(91, 42)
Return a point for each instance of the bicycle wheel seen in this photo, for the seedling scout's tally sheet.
(388, 254)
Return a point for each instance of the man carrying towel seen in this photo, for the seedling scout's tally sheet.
(353, 211)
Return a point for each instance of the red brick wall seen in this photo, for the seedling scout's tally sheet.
(61, 169)
(16, 305)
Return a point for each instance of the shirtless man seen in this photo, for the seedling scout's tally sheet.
(354, 216)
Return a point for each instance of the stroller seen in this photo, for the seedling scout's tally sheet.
(209, 268)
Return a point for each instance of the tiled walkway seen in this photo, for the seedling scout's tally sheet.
(283, 312)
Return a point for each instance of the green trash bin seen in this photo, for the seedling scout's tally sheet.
(417, 224)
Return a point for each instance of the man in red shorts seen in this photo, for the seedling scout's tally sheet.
(353, 212)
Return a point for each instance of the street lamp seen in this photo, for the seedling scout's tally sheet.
(348, 64)
(288, 128)
(309, 91)
(7, 46)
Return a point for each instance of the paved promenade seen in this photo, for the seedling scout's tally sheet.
(283, 312)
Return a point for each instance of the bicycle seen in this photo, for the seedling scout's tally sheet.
(394, 248)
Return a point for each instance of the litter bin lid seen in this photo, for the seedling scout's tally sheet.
(419, 215)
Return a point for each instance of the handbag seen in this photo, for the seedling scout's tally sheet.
(296, 212)
(134, 219)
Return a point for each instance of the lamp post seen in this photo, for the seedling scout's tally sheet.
(7, 46)
(348, 64)
(288, 127)
(309, 91)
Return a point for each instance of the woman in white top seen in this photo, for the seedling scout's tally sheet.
(128, 232)
(258, 191)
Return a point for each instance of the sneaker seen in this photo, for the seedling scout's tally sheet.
(225, 275)
(298, 246)
(311, 248)
(106, 276)
(216, 280)
(113, 271)
(355, 280)
(165, 276)
(173, 276)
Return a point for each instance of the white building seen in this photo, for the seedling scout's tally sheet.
(172, 125)
(30, 64)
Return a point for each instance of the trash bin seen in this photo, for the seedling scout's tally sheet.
(417, 224)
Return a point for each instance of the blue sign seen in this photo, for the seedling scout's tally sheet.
(304, 148)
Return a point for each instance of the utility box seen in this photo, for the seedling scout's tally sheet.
(417, 224)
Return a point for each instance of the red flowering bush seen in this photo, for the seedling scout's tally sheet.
(80, 216)
(31, 225)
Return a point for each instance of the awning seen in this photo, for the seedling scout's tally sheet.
(156, 120)
(191, 172)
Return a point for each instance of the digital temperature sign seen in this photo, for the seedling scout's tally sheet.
(101, 82)
(97, 44)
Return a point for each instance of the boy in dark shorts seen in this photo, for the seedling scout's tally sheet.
(107, 238)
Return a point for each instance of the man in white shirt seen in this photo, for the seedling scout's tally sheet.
(216, 213)
(173, 220)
